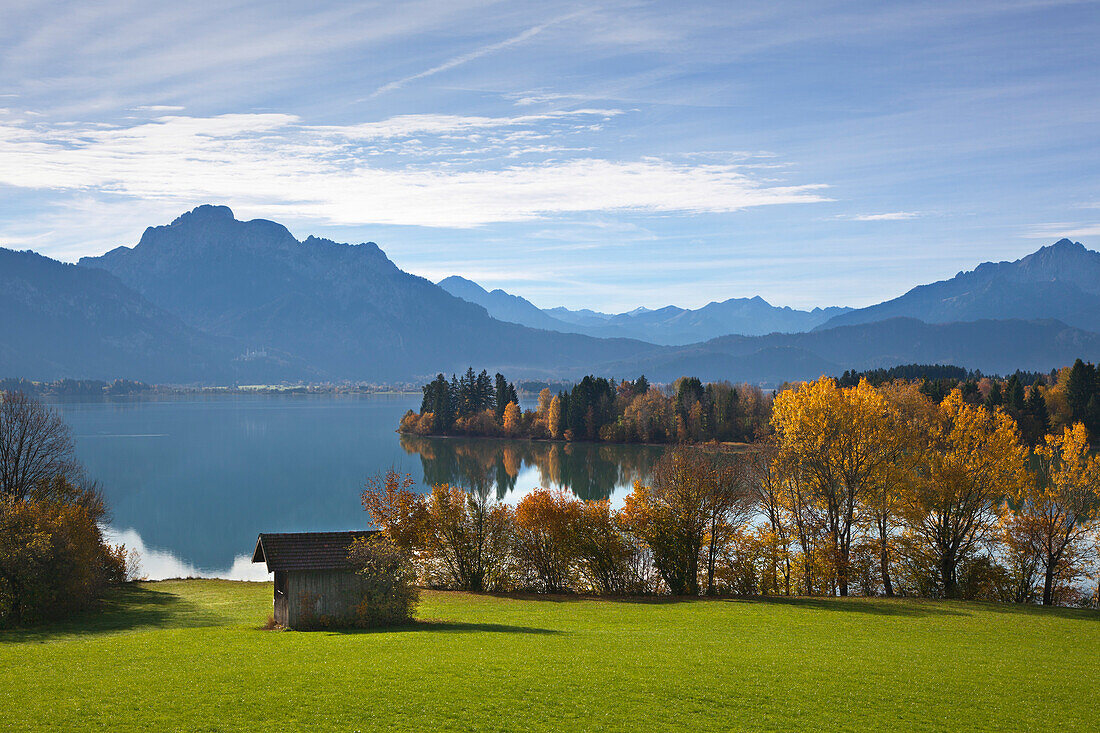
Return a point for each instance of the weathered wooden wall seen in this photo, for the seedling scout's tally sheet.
(316, 594)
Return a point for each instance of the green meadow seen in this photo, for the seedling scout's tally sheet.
(192, 655)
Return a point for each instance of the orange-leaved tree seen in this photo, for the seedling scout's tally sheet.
(610, 560)
(545, 523)
(468, 538)
(511, 419)
(394, 509)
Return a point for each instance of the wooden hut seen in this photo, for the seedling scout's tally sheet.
(314, 580)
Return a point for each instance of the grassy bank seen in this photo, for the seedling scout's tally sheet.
(189, 655)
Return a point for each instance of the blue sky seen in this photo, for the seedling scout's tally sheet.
(603, 155)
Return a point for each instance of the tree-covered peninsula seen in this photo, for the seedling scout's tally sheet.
(594, 409)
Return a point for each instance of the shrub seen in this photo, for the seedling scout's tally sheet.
(390, 594)
(610, 561)
(545, 523)
(454, 538)
(53, 560)
(468, 540)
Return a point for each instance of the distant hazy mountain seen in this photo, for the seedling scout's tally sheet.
(744, 316)
(215, 300)
(994, 346)
(584, 316)
(345, 309)
(59, 320)
(668, 326)
(504, 306)
(1061, 281)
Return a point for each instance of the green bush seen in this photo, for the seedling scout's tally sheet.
(390, 594)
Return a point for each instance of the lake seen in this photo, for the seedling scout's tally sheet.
(192, 479)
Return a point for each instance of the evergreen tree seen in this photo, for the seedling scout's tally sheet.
(439, 400)
(995, 398)
(467, 394)
(1014, 395)
(1080, 389)
(502, 395)
(970, 392)
(485, 399)
(580, 399)
(1036, 420)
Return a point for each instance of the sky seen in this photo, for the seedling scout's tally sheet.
(606, 155)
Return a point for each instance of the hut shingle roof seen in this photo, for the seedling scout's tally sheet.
(306, 550)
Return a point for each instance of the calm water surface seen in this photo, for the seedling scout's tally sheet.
(191, 480)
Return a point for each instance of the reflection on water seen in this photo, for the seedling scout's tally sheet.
(192, 479)
(156, 564)
(198, 477)
(589, 470)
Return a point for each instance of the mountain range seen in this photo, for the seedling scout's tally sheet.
(993, 346)
(214, 300)
(346, 309)
(668, 326)
(1061, 281)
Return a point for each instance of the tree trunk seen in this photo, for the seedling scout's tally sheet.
(842, 571)
(712, 551)
(884, 563)
(691, 582)
(947, 570)
(1048, 585)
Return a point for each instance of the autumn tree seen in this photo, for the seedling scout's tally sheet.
(670, 517)
(53, 557)
(839, 441)
(555, 417)
(388, 582)
(695, 501)
(910, 414)
(469, 538)
(729, 501)
(398, 512)
(649, 417)
(768, 484)
(545, 525)
(973, 462)
(609, 559)
(511, 419)
(1057, 509)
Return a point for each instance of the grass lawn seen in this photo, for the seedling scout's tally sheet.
(189, 655)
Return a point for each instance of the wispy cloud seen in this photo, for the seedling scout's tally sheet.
(276, 165)
(1063, 230)
(888, 216)
(439, 124)
(473, 55)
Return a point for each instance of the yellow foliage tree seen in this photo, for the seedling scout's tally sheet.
(837, 442)
(511, 419)
(554, 418)
(545, 397)
(972, 464)
(1057, 510)
(910, 417)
